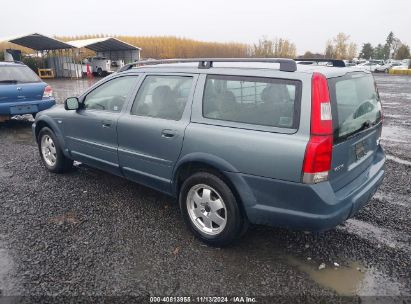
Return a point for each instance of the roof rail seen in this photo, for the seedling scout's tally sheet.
(286, 65)
(335, 62)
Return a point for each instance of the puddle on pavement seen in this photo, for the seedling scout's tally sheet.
(352, 279)
(18, 130)
(343, 280)
(7, 283)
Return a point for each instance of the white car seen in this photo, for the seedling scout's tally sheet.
(386, 67)
(102, 66)
(369, 66)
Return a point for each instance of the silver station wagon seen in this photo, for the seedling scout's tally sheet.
(235, 141)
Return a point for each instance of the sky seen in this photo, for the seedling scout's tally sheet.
(307, 23)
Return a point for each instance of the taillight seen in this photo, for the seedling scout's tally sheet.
(321, 118)
(48, 92)
(318, 154)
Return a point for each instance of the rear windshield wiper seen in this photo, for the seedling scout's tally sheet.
(8, 81)
(364, 126)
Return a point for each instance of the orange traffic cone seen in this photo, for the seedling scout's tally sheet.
(89, 74)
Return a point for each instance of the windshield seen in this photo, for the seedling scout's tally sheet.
(17, 74)
(356, 103)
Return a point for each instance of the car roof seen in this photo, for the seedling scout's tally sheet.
(11, 63)
(192, 67)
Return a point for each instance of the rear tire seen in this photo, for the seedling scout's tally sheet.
(100, 72)
(51, 154)
(210, 209)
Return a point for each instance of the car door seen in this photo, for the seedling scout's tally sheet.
(91, 131)
(151, 132)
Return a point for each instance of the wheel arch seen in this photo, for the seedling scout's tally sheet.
(197, 162)
(46, 122)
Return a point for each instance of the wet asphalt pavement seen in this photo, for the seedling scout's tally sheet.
(91, 233)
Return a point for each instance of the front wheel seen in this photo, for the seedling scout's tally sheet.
(51, 154)
(210, 209)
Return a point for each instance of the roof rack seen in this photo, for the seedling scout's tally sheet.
(335, 62)
(286, 65)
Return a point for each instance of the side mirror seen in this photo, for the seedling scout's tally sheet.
(71, 103)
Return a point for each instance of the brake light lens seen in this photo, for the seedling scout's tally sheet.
(321, 117)
(318, 154)
(48, 92)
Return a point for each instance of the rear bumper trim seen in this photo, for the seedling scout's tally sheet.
(314, 207)
(6, 108)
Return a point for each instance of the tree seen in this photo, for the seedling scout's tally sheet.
(367, 51)
(403, 52)
(391, 46)
(340, 47)
(310, 55)
(329, 49)
(352, 51)
(396, 43)
(388, 44)
(274, 48)
(264, 48)
(284, 48)
(379, 52)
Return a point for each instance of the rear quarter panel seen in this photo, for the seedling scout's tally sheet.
(261, 151)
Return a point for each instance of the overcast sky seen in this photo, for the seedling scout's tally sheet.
(307, 23)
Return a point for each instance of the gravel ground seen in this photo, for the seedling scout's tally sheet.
(88, 233)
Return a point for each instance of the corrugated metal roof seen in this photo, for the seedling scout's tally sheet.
(103, 44)
(39, 42)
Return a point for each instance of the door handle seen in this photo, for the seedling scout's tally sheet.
(106, 123)
(167, 133)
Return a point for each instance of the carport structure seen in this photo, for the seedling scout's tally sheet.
(109, 47)
(56, 54)
(65, 57)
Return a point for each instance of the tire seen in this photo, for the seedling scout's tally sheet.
(100, 72)
(51, 154)
(210, 209)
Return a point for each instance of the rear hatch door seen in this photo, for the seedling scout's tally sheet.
(19, 83)
(357, 122)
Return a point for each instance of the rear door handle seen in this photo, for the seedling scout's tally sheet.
(106, 123)
(167, 133)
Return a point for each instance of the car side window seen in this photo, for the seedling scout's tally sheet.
(252, 100)
(163, 97)
(111, 95)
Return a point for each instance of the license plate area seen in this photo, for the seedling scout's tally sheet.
(23, 109)
(360, 150)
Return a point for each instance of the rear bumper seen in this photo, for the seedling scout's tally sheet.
(310, 207)
(26, 107)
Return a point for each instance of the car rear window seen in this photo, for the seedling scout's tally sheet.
(252, 100)
(356, 103)
(17, 73)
